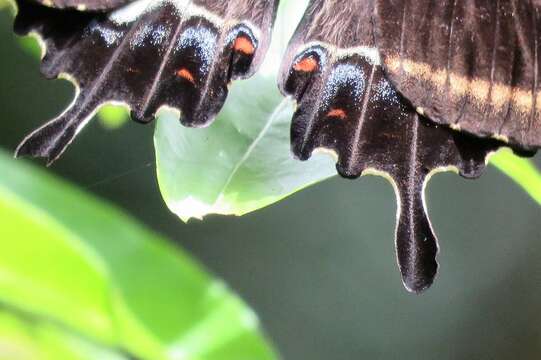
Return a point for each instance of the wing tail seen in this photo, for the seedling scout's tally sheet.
(52, 139)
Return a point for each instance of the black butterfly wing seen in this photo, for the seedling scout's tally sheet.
(474, 65)
(346, 105)
(147, 55)
(83, 5)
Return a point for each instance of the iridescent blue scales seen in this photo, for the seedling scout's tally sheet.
(363, 89)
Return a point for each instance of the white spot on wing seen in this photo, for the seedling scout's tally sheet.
(201, 39)
(156, 34)
(110, 36)
(384, 91)
(344, 75)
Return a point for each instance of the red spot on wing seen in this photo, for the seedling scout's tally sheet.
(244, 45)
(308, 65)
(186, 74)
(337, 113)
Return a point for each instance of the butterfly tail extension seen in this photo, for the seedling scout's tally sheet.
(416, 243)
(51, 140)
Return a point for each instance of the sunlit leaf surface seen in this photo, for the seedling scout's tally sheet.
(71, 262)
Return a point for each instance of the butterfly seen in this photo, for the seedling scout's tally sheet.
(400, 88)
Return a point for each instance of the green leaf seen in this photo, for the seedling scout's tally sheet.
(31, 45)
(27, 338)
(243, 161)
(6, 4)
(522, 171)
(70, 260)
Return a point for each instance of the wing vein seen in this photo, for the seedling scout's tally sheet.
(359, 128)
(402, 40)
(96, 84)
(535, 84)
(412, 174)
(450, 46)
(493, 60)
(157, 78)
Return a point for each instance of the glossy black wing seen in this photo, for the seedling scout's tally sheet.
(474, 65)
(147, 55)
(346, 105)
(83, 5)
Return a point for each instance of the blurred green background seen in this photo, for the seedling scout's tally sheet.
(319, 268)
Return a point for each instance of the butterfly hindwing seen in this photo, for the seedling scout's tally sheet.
(345, 104)
(147, 55)
(474, 65)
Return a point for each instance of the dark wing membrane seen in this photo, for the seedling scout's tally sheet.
(83, 5)
(346, 104)
(147, 55)
(474, 65)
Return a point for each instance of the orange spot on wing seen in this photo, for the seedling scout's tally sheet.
(186, 74)
(308, 64)
(244, 45)
(337, 113)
